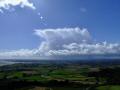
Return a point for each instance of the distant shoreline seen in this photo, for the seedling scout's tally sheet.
(81, 62)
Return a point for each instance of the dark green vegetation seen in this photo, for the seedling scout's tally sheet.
(60, 76)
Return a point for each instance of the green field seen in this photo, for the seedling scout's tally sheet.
(110, 87)
(40, 73)
(59, 77)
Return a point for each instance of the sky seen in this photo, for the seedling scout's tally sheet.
(40, 28)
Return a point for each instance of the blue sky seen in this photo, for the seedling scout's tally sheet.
(17, 24)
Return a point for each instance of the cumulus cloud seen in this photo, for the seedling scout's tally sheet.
(54, 39)
(73, 41)
(66, 42)
(87, 49)
(7, 4)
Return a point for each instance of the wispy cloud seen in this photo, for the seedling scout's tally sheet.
(7, 4)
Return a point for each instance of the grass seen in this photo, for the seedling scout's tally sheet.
(1, 75)
(15, 75)
(50, 73)
(35, 78)
(75, 74)
(109, 87)
(54, 88)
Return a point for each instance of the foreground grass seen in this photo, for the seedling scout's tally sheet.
(109, 87)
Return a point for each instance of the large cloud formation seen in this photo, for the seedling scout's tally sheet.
(7, 4)
(56, 38)
(73, 41)
(66, 42)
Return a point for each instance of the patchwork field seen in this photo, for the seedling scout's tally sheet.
(59, 76)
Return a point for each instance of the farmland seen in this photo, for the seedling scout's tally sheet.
(59, 76)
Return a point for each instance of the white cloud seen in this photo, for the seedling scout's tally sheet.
(87, 49)
(18, 53)
(65, 42)
(7, 4)
(73, 41)
(56, 38)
